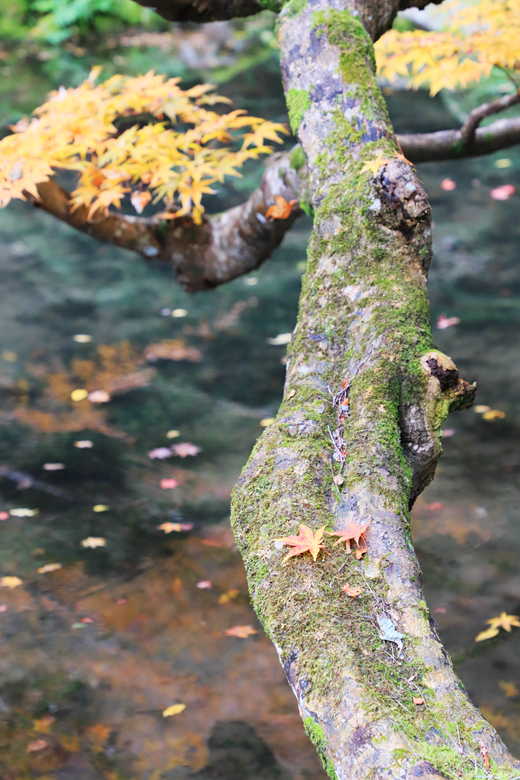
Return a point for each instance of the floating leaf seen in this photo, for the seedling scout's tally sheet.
(179, 312)
(307, 541)
(228, 596)
(174, 709)
(502, 621)
(184, 449)
(10, 582)
(79, 394)
(493, 414)
(502, 193)
(99, 397)
(4, 515)
(93, 542)
(508, 688)
(168, 484)
(160, 453)
(241, 632)
(280, 340)
(82, 338)
(38, 744)
(172, 434)
(203, 584)
(169, 527)
(447, 322)
(83, 444)
(448, 185)
(23, 512)
(49, 567)
(100, 508)
(53, 466)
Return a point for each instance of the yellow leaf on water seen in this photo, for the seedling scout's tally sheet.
(49, 567)
(508, 688)
(493, 414)
(10, 582)
(174, 709)
(79, 394)
(94, 541)
(100, 508)
(488, 634)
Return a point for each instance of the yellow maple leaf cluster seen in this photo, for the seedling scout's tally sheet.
(476, 38)
(175, 151)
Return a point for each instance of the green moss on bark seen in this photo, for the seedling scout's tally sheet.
(317, 738)
(298, 102)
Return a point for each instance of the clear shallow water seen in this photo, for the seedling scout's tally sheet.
(95, 691)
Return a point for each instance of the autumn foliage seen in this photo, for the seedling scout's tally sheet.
(176, 148)
(476, 38)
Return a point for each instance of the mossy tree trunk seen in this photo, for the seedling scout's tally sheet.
(356, 664)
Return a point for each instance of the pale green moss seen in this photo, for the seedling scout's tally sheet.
(317, 738)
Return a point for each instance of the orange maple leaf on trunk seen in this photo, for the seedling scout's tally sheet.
(307, 541)
(354, 532)
(282, 210)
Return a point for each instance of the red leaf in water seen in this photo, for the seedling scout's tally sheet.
(168, 484)
(502, 193)
(242, 632)
(185, 448)
(447, 322)
(4, 515)
(39, 744)
(434, 505)
(203, 584)
(448, 184)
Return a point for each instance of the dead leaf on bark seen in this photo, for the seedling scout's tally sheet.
(355, 532)
(282, 210)
(307, 541)
(418, 700)
(353, 592)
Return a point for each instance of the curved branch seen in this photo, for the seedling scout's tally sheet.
(476, 116)
(451, 145)
(203, 256)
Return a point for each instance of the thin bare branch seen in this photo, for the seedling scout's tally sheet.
(450, 144)
(203, 256)
(476, 116)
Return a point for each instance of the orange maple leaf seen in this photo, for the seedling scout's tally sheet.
(353, 592)
(282, 210)
(242, 632)
(354, 532)
(307, 541)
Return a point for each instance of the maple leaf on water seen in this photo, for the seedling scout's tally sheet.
(502, 621)
(241, 632)
(183, 449)
(355, 532)
(307, 541)
(174, 709)
(374, 165)
(282, 210)
(49, 567)
(93, 542)
(169, 527)
(10, 582)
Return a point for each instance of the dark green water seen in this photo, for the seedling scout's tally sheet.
(95, 691)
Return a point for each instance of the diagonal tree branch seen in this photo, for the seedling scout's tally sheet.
(476, 116)
(204, 256)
